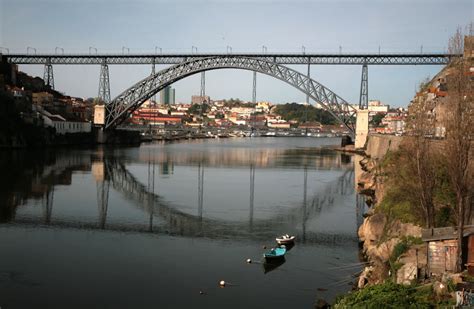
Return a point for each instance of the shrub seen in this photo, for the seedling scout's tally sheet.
(387, 295)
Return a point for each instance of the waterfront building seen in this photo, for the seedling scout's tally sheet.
(64, 125)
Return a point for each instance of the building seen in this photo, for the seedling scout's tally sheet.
(279, 125)
(167, 95)
(42, 98)
(197, 99)
(443, 249)
(63, 125)
(154, 117)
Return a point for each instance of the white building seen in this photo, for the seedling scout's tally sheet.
(64, 126)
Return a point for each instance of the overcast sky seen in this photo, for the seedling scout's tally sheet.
(282, 26)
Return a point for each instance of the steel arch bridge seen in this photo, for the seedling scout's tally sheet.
(132, 98)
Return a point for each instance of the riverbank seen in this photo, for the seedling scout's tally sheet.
(392, 238)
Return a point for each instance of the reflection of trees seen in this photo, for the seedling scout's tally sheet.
(33, 175)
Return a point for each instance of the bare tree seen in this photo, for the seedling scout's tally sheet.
(459, 130)
(420, 158)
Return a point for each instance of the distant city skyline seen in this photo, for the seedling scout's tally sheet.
(246, 26)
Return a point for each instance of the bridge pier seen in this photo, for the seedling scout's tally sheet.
(362, 128)
(48, 75)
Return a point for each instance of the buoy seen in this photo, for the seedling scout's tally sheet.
(201, 292)
(249, 261)
(222, 283)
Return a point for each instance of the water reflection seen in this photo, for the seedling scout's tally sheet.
(38, 174)
(269, 266)
(228, 198)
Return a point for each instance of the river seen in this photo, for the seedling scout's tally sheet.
(160, 225)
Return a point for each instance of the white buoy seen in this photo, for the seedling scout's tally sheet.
(222, 283)
(249, 261)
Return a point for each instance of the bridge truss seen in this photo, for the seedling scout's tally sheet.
(276, 58)
(289, 59)
(129, 100)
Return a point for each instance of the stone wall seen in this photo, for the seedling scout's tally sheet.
(378, 145)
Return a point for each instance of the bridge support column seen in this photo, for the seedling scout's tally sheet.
(48, 75)
(254, 89)
(362, 128)
(364, 88)
(203, 87)
(309, 76)
(153, 73)
(104, 84)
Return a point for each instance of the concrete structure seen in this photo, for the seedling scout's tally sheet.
(362, 128)
(99, 114)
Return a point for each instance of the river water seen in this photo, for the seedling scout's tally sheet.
(158, 226)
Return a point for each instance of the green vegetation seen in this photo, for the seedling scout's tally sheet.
(237, 103)
(195, 109)
(400, 248)
(389, 295)
(404, 189)
(304, 113)
(377, 119)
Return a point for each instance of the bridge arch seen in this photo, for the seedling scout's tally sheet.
(132, 98)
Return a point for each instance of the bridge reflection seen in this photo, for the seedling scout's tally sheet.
(109, 169)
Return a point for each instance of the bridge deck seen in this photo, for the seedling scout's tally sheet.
(280, 58)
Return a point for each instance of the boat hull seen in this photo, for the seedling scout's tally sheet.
(285, 240)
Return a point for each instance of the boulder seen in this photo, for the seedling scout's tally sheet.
(407, 273)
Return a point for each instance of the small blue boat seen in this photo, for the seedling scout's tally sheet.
(275, 253)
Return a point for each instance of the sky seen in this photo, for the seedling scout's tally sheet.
(397, 26)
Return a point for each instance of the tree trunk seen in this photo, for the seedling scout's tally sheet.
(461, 208)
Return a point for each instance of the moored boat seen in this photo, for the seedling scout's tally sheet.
(275, 253)
(285, 239)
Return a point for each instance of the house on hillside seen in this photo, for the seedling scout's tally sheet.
(64, 125)
(443, 249)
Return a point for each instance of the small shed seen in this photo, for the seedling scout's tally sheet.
(443, 249)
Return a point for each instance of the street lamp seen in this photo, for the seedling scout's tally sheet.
(28, 49)
(156, 48)
(304, 49)
(58, 48)
(92, 48)
(194, 48)
(264, 49)
(125, 48)
(229, 49)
